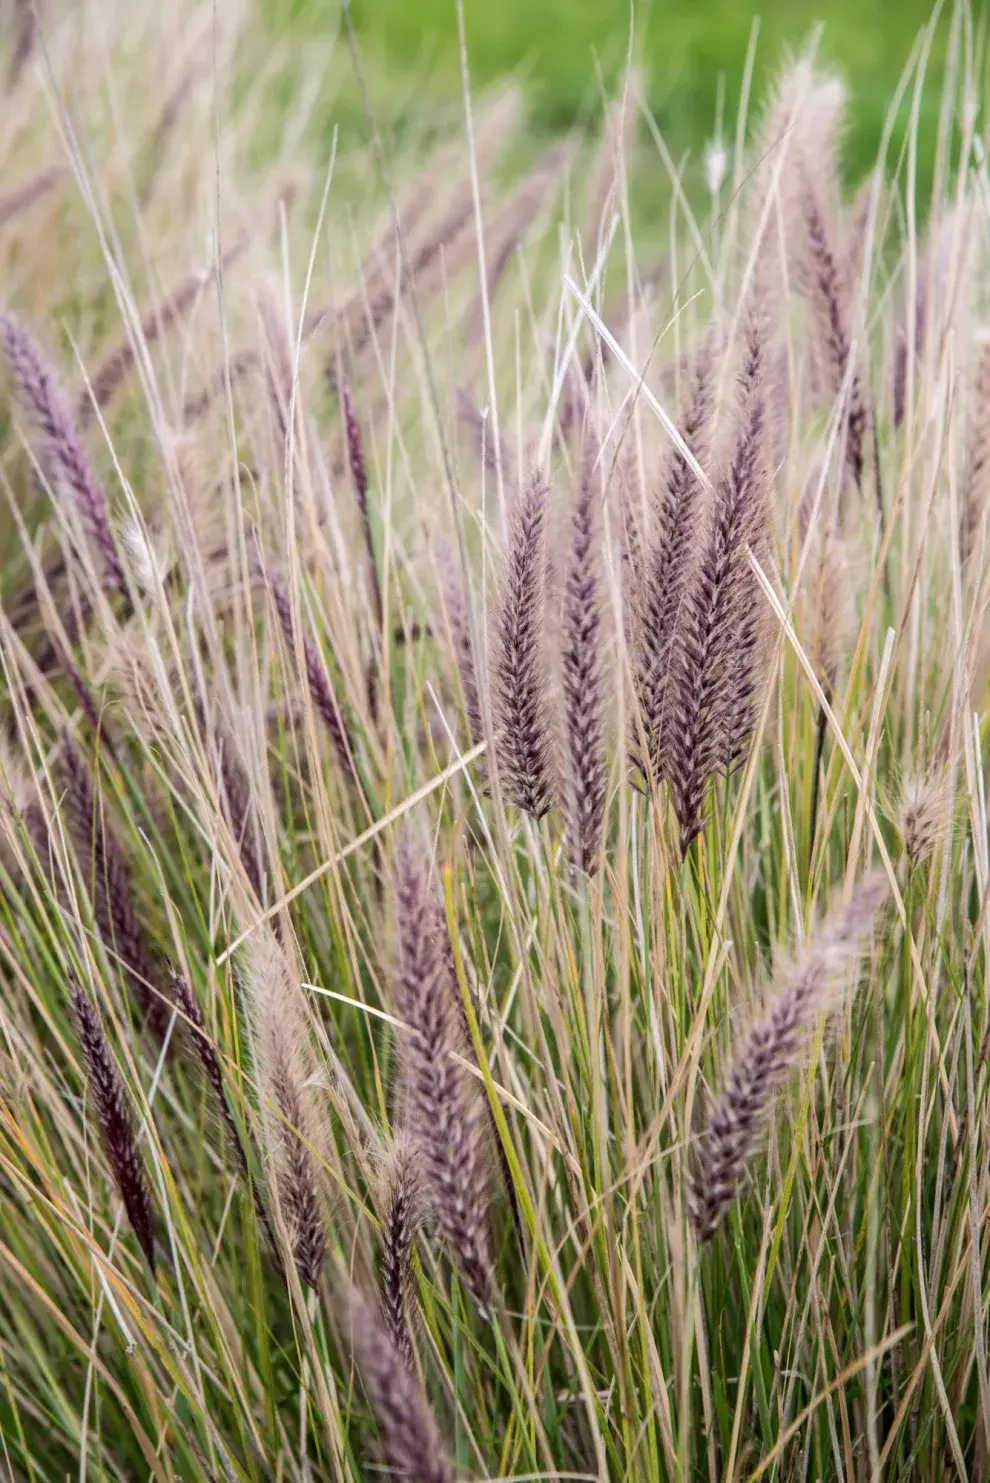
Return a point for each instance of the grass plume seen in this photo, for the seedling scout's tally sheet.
(63, 456)
(113, 1118)
(410, 1439)
(519, 680)
(443, 1112)
(286, 1073)
(772, 1050)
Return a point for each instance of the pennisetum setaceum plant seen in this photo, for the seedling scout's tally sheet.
(493, 828)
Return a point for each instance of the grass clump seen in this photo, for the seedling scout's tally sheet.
(455, 654)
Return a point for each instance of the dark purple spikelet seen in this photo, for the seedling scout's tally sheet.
(112, 887)
(771, 1051)
(738, 690)
(456, 613)
(188, 1005)
(64, 457)
(443, 1108)
(401, 1216)
(410, 1440)
(713, 666)
(116, 1130)
(317, 676)
(355, 443)
(827, 295)
(665, 565)
(583, 678)
(519, 680)
(359, 474)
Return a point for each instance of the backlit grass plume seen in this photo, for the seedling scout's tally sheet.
(771, 1051)
(287, 1077)
(975, 486)
(235, 796)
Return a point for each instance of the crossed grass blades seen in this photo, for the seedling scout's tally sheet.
(437, 700)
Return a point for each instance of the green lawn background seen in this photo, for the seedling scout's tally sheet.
(692, 50)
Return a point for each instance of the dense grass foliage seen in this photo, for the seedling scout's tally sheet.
(494, 846)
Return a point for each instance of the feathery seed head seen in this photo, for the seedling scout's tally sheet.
(293, 1121)
(402, 1210)
(583, 676)
(410, 1439)
(717, 652)
(321, 687)
(355, 441)
(20, 806)
(665, 566)
(149, 557)
(108, 876)
(773, 1049)
(444, 1110)
(63, 455)
(828, 296)
(924, 814)
(109, 1100)
(519, 678)
(976, 475)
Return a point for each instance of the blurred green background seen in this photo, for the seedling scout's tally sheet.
(693, 52)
